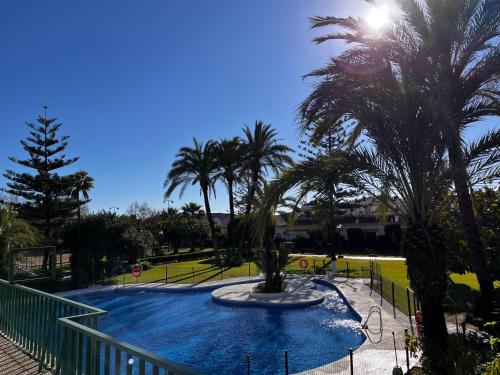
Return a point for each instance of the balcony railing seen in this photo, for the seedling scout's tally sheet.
(62, 335)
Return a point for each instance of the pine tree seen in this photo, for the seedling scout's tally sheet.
(333, 140)
(338, 193)
(45, 196)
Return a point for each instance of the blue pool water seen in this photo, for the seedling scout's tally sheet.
(190, 329)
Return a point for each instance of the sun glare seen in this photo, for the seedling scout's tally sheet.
(378, 17)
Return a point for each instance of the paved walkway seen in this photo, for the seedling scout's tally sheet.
(375, 258)
(14, 361)
(360, 257)
(376, 355)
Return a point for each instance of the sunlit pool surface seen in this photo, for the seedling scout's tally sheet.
(190, 329)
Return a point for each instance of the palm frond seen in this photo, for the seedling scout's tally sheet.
(483, 158)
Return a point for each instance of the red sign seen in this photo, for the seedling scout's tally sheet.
(136, 272)
(303, 263)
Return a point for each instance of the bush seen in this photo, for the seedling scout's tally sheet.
(487, 203)
(180, 257)
(471, 355)
(104, 237)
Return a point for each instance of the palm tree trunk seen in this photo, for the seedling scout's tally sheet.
(332, 223)
(78, 254)
(248, 209)
(232, 237)
(210, 218)
(253, 189)
(469, 224)
(425, 251)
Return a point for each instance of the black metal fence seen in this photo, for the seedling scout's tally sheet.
(372, 357)
(401, 299)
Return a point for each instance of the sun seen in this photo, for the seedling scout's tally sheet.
(378, 16)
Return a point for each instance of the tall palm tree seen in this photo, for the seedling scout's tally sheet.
(82, 185)
(229, 161)
(453, 48)
(261, 154)
(192, 209)
(406, 157)
(465, 88)
(195, 165)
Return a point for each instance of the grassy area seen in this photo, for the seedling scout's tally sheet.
(464, 288)
(204, 270)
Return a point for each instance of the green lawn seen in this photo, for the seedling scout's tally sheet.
(464, 288)
(203, 270)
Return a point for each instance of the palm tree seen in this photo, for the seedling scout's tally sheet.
(229, 161)
(171, 212)
(465, 87)
(82, 185)
(13, 232)
(292, 206)
(261, 154)
(418, 176)
(192, 209)
(457, 64)
(328, 177)
(195, 165)
(406, 158)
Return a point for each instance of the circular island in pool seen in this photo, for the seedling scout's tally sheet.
(192, 329)
(298, 293)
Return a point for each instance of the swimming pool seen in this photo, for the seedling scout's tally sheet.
(191, 329)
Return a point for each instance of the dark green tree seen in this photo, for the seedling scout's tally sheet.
(229, 158)
(105, 237)
(13, 233)
(45, 196)
(179, 229)
(487, 211)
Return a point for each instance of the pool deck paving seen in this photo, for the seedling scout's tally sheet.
(162, 287)
(376, 354)
(15, 361)
(358, 257)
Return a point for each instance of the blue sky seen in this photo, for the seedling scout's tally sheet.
(132, 81)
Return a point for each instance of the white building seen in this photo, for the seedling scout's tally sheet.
(366, 215)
